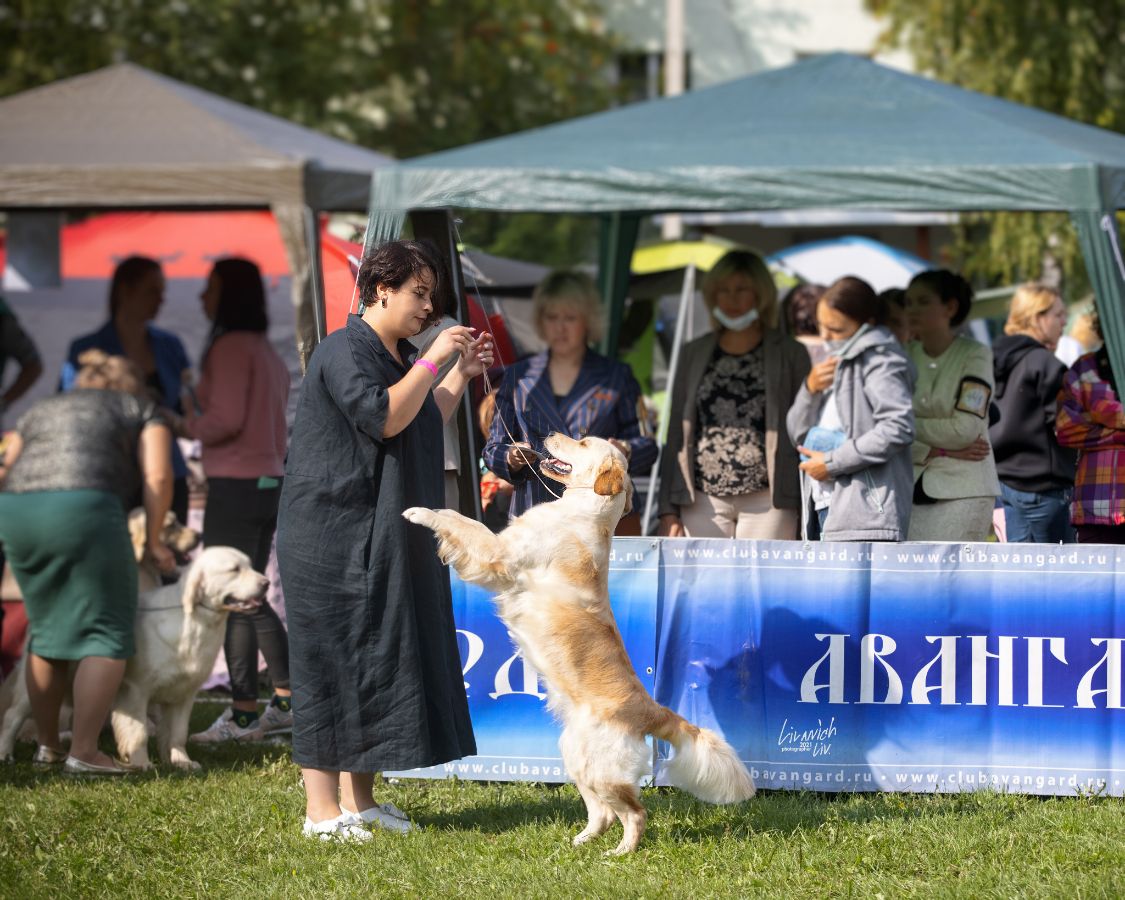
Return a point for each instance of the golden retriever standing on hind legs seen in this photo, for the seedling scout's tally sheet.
(549, 571)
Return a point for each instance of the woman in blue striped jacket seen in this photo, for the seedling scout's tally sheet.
(568, 388)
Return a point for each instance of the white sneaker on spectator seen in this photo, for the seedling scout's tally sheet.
(385, 815)
(342, 828)
(225, 728)
(275, 721)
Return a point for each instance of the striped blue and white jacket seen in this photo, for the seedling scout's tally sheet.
(604, 402)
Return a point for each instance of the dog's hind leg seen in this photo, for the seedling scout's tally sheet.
(173, 734)
(468, 546)
(599, 815)
(625, 800)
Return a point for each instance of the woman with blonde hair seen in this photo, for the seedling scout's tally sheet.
(77, 462)
(1036, 474)
(567, 388)
(729, 468)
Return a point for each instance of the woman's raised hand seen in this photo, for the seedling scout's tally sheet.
(822, 375)
(455, 339)
(477, 358)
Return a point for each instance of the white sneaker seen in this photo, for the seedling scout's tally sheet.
(274, 721)
(225, 728)
(385, 815)
(342, 828)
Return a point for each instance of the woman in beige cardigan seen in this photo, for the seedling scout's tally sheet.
(728, 468)
(955, 485)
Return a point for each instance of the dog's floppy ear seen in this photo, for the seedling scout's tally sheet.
(192, 584)
(611, 478)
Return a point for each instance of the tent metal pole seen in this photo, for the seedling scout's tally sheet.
(615, 253)
(316, 272)
(687, 296)
(436, 225)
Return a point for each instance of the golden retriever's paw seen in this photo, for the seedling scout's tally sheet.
(419, 515)
(182, 761)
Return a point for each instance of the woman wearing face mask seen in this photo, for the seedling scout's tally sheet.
(853, 420)
(1036, 474)
(729, 469)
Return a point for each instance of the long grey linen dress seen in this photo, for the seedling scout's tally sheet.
(375, 669)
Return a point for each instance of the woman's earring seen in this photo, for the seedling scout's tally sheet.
(383, 301)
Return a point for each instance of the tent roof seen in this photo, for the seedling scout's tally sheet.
(832, 131)
(124, 136)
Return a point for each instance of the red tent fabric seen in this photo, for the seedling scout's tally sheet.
(187, 244)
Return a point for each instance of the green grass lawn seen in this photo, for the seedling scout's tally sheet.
(232, 830)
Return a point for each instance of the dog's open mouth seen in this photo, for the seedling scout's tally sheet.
(552, 466)
(241, 604)
(181, 556)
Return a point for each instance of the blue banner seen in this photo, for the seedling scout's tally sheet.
(902, 667)
(846, 667)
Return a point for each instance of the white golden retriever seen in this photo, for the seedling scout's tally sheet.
(549, 572)
(179, 629)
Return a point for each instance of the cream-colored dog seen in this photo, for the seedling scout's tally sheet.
(549, 572)
(179, 630)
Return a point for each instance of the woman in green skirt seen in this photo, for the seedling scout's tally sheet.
(77, 460)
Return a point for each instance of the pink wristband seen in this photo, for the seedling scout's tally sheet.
(426, 364)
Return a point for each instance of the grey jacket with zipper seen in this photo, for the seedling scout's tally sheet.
(872, 472)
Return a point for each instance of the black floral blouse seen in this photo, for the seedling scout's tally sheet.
(730, 453)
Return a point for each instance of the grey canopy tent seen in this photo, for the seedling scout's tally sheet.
(831, 132)
(124, 137)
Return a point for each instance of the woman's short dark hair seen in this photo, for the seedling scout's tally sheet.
(129, 272)
(948, 286)
(856, 299)
(800, 308)
(394, 263)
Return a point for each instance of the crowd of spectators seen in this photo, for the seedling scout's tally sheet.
(836, 414)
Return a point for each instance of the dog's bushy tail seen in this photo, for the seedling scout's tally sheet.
(704, 765)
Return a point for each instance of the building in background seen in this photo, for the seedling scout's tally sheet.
(726, 39)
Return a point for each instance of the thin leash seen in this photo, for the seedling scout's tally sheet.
(490, 389)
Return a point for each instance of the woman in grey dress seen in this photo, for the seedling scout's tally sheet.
(374, 664)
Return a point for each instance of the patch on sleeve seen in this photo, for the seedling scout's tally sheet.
(973, 396)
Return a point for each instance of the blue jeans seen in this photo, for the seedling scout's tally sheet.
(1042, 518)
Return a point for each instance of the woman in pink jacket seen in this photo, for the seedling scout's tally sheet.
(238, 414)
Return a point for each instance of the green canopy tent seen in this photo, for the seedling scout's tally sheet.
(835, 131)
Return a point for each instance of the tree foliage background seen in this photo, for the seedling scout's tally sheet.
(1064, 57)
(404, 77)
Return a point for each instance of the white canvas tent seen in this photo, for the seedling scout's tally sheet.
(124, 137)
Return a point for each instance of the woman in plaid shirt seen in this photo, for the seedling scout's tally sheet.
(1091, 420)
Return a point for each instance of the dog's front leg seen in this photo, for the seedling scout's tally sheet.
(468, 546)
(129, 731)
(174, 734)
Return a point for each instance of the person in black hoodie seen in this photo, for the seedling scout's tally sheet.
(1036, 474)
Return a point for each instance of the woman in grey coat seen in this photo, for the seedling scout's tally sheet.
(859, 476)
